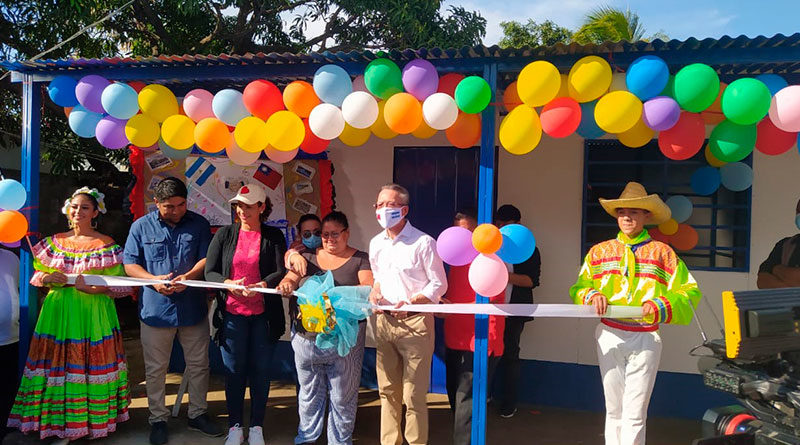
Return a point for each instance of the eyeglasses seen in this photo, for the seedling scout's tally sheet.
(332, 235)
(381, 205)
(308, 233)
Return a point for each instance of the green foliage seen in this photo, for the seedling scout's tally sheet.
(547, 33)
(608, 24)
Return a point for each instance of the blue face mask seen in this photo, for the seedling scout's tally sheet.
(797, 220)
(312, 242)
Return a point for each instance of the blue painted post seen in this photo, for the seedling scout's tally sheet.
(485, 212)
(28, 295)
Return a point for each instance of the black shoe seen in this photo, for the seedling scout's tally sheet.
(203, 424)
(508, 413)
(158, 433)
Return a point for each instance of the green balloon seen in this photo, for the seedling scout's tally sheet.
(383, 78)
(473, 94)
(731, 142)
(669, 90)
(746, 101)
(696, 87)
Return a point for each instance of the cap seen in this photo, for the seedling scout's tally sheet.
(250, 194)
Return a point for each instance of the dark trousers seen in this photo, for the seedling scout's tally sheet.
(246, 353)
(9, 382)
(509, 367)
(459, 391)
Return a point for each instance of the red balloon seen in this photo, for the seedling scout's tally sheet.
(262, 98)
(311, 143)
(657, 235)
(137, 85)
(448, 83)
(771, 140)
(685, 139)
(685, 238)
(561, 117)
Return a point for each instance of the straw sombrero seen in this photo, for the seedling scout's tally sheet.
(635, 197)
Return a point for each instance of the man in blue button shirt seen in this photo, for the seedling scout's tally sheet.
(170, 244)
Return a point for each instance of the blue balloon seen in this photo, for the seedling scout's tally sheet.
(332, 84)
(172, 153)
(705, 181)
(588, 128)
(229, 107)
(736, 176)
(681, 207)
(773, 82)
(12, 195)
(647, 76)
(62, 91)
(120, 100)
(518, 244)
(83, 122)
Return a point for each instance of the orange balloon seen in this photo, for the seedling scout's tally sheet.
(212, 135)
(300, 98)
(68, 110)
(685, 238)
(403, 113)
(713, 114)
(657, 235)
(465, 131)
(13, 226)
(511, 97)
(487, 238)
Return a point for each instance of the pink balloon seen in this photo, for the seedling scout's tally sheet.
(454, 246)
(197, 104)
(784, 111)
(278, 156)
(488, 275)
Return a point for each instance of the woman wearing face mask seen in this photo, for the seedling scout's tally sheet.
(322, 371)
(309, 228)
(247, 253)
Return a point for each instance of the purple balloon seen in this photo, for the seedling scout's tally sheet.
(12, 245)
(455, 246)
(661, 113)
(89, 91)
(420, 78)
(110, 133)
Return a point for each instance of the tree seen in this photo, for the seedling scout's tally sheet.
(547, 33)
(608, 24)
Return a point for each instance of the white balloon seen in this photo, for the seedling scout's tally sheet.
(784, 110)
(439, 111)
(360, 109)
(326, 121)
(239, 156)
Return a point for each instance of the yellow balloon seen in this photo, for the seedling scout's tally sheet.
(379, 128)
(424, 131)
(668, 227)
(638, 136)
(354, 137)
(538, 83)
(521, 130)
(563, 91)
(711, 159)
(618, 111)
(589, 78)
(178, 132)
(158, 102)
(285, 130)
(251, 134)
(142, 130)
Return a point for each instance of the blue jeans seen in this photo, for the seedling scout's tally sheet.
(247, 353)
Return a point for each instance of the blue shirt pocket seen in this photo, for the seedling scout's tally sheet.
(155, 248)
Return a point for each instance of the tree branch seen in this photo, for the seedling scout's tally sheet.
(143, 10)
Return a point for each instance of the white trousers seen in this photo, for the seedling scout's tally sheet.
(628, 365)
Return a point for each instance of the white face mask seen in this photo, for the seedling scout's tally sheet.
(389, 217)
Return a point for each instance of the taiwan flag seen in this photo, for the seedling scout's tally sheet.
(267, 176)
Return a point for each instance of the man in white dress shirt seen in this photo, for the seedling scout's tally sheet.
(407, 271)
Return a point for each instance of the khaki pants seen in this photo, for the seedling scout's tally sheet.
(157, 348)
(404, 354)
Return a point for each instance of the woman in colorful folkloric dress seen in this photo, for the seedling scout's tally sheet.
(75, 382)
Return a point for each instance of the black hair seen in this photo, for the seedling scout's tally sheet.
(170, 188)
(263, 217)
(508, 212)
(307, 217)
(466, 213)
(337, 217)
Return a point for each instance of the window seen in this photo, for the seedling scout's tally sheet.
(722, 220)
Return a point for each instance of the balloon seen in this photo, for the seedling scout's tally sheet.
(197, 104)
(473, 94)
(617, 83)
(712, 161)
(420, 78)
(486, 238)
(746, 101)
(454, 246)
(326, 121)
(520, 131)
(158, 102)
(696, 87)
(511, 97)
(488, 275)
(280, 156)
(647, 76)
(177, 131)
(681, 207)
(661, 113)
(120, 101)
(773, 82)
(172, 153)
(424, 131)
(211, 135)
(561, 117)
(62, 91)
(13, 226)
(448, 83)
(713, 114)
(332, 84)
(403, 113)
(736, 176)
(379, 128)
(589, 79)
(354, 137)
(668, 227)
(359, 84)
(465, 131)
(142, 130)
(617, 111)
(669, 90)
(638, 136)
(89, 91)
(228, 106)
(67, 111)
(300, 98)
(110, 133)
(563, 91)
(732, 142)
(705, 180)
(685, 238)
(83, 122)
(784, 110)
(518, 244)
(771, 140)
(285, 130)
(251, 134)
(684, 139)
(238, 156)
(12, 195)
(311, 143)
(137, 85)
(13, 245)
(588, 128)
(262, 98)
(440, 111)
(657, 235)
(383, 78)
(360, 109)
(538, 83)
